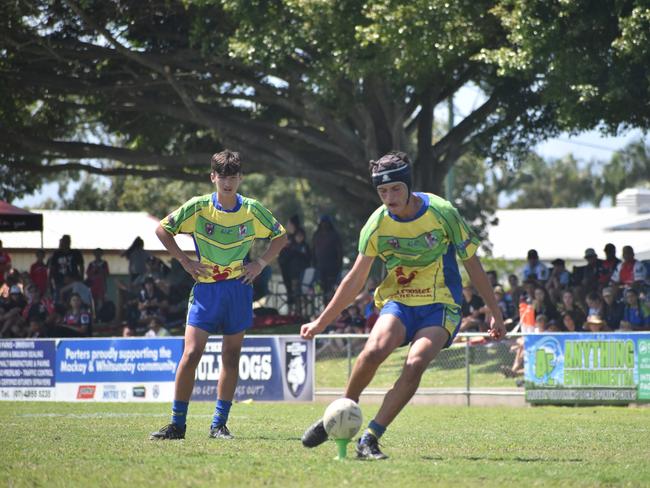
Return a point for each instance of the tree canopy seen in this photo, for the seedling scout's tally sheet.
(308, 88)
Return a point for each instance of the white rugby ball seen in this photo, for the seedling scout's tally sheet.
(342, 419)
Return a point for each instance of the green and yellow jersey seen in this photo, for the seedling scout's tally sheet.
(419, 254)
(222, 237)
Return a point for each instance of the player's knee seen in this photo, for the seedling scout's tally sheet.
(192, 356)
(375, 354)
(415, 367)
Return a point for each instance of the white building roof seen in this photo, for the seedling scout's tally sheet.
(567, 232)
(90, 230)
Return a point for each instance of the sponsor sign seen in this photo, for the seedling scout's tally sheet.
(86, 392)
(27, 369)
(143, 369)
(587, 368)
(270, 368)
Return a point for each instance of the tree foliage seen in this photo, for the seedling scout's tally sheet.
(310, 89)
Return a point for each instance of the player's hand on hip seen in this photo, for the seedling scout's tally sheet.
(308, 331)
(197, 269)
(250, 272)
(497, 328)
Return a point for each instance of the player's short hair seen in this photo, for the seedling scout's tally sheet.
(226, 163)
(391, 160)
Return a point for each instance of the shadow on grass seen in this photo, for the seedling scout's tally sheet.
(515, 459)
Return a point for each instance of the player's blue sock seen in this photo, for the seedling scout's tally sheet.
(179, 412)
(374, 429)
(221, 412)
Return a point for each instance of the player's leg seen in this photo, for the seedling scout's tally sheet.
(228, 376)
(426, 345)
(238, 316)
(195, 340)
(387, 334)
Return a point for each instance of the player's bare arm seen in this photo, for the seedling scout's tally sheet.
(345, 293)
(254, 268)
(481, 282)
(194, 268)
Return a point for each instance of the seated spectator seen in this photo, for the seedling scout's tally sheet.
(596, 324)
(97, 274)
(543, 304)
(554, 326)
(504, 303)
(493, 277)
(535, 268)
(569, 307)
(357, 323)
(127, 330)
(74, 285)
(630, 271)
(36, 329)
(595, 306)
(78, 317)
(11, 318)
(569, 323)
(611, 261)
(151, 301)
(612, 308)
(594, 274)
(38, 307)
(472, 311)
(559, 279)
(38, 272)
(156, 328)
(513, 295)
(636, 315)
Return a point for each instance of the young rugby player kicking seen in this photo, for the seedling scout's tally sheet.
(224, 225)
(417, 236)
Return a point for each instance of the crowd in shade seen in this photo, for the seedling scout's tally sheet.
(61, 296)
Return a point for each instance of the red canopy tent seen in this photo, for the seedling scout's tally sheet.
(14, 219)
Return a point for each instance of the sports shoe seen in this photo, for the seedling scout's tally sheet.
(314, 435)
(169, 432)
(368, 448)
(220, 432)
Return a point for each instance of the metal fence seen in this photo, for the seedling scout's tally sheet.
(473, 365)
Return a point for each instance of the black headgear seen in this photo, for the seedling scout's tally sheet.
(394, 175)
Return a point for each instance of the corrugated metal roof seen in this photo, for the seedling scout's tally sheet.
(90, 230)
(567, 232)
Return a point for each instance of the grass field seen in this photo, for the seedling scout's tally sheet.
(74, 444)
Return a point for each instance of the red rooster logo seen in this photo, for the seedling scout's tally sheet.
(402, 279)
(220, 274)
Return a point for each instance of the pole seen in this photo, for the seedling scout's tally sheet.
(450, 180)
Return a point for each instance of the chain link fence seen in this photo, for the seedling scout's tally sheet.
(472, 365)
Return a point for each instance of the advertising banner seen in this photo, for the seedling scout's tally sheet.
(117, 369)
(27, 369)
(270, 368)
(606, 368)
(144, 369)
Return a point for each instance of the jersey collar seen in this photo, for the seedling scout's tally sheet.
(420, 212)
(218, 206)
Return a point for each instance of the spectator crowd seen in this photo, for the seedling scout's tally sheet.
(59, 296)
